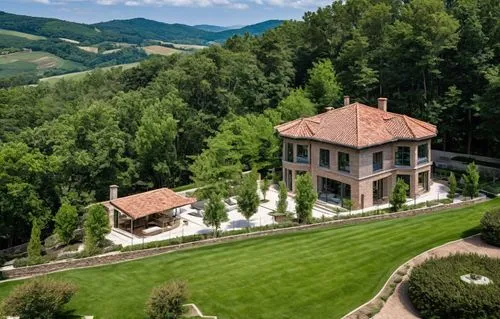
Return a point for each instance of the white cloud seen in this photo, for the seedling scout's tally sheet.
(233, 4)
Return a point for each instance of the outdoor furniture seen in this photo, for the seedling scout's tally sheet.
(152, 230)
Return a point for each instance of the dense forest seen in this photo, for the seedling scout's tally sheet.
(204, 117)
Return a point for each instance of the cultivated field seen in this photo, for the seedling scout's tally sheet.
(80, 75)
(158, 49)
(36, 61)
(21, 34)
(89, 49)
(323, 273)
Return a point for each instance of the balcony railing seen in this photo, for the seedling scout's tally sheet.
(303, 159)
(422, 160)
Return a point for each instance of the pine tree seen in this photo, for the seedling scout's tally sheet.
(452, 183)
(35, 244)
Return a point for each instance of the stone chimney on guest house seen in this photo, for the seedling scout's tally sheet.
(113, 192)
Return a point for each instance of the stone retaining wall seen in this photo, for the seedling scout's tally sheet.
(126, 256)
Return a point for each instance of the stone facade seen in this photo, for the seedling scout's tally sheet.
(367, 185)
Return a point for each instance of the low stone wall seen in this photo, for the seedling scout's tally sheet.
(127, 256)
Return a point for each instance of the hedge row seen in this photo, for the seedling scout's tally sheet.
(436, 290)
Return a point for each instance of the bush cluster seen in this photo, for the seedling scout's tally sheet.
(38, 298)
(166, 302)
(490, 227)
(436, 290)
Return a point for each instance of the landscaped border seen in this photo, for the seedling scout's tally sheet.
(372, 306)
(19, 273)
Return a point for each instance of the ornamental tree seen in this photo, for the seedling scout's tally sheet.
(264, 187)
(452, 184)
(35, 245)
(96, 226)
(282, 204)
(66, 221)
(215, 213)
(471, 181)
(305, 197)
(398, 196)
(248, 199)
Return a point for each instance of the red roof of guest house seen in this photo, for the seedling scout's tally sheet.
(152, 202)
(357, 126)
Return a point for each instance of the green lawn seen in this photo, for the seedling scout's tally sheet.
(315, 274)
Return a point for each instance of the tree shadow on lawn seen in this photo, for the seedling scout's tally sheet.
(470, 232)
(68, 314)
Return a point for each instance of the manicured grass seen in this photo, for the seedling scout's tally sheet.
(315, 274)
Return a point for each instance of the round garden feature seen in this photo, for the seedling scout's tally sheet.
(458, 286)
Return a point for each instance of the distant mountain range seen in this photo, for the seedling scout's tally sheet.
(133, 31)
(216, 28)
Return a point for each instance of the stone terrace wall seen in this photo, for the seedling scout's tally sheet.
(126, 256)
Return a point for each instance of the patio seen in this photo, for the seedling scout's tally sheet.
(149, 213)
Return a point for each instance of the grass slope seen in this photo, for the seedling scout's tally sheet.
(36, 61)
(81, 75)
(21, 34)
(315, 274)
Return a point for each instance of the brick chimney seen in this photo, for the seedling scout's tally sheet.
(113, 192)
(382, 104)
(347, 100)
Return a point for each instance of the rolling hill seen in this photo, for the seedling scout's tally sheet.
(134, 31)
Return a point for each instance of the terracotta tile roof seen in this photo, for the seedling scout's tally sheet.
(148, 203)
(358, 126)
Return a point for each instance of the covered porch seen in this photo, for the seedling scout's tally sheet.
(149, 213)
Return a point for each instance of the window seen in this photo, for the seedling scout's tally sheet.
(344, 162)
(302, 154)
(403, 156)
(324, 158)
(423, 153)
(289, 152)
(378, 161)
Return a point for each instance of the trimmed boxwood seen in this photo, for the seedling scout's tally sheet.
(490, 227)
(436, 290)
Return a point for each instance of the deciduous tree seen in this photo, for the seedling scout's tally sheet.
(305, 197)
(248, 199)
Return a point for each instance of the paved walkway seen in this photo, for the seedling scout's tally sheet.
(398, 306)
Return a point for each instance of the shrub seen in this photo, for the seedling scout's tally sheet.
(490, 227)
(38, 298)
(436, 291)
(166, 302)
(66, 221)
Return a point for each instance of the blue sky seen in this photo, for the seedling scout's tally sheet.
(218, 12)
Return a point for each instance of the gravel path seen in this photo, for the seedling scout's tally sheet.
(398, 306)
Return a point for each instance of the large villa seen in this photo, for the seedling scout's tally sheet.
(358, 152)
